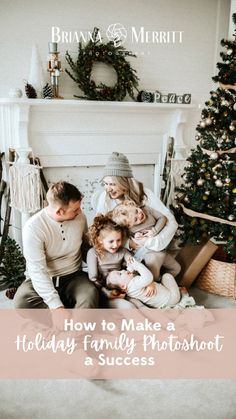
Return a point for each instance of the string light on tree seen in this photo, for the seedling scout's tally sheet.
(218, 183)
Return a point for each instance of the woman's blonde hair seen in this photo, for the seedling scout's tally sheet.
(133, 190)
(103, 223)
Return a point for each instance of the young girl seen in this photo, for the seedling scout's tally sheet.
(107, 254)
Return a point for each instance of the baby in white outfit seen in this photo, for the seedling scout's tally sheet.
(167, 292)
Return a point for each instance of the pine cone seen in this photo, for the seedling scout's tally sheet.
(30, 91)
(47, 91)
(10, 293)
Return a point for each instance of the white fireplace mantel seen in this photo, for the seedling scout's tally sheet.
(23, 120)
(78, 134)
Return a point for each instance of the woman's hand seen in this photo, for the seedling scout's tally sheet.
(150, 290)
(148, 233)
(117, 294)
(138, 235)
(133, 244)
(140, 242)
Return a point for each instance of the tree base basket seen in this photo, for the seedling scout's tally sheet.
(218, 278)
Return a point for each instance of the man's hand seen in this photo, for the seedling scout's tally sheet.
(117, 294)
(59, 315)
(150, 290)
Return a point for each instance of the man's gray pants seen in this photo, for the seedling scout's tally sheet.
(75, 291)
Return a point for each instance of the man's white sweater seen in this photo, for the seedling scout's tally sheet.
(52, 248)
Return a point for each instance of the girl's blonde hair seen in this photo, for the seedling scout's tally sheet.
(103, 223)
(133, 190)
(120, 213)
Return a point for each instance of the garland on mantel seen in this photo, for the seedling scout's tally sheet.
(111, 55)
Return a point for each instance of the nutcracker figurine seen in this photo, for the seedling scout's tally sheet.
(54, 67)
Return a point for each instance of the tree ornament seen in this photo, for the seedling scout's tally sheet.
(218, 166)
(110, 54)
(200, 182)
(214, 156)
(208, 121)
(234, 106)
(207, 192)
(218, 183)
(204, 197)
(232, 127)
(30, 91)
(224, 102)
(227, 180)
(203, 124)
(47, 91)
(231, 217)
(229, 52)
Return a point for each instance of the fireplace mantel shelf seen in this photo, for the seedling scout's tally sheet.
(91, 104)
(44, 124)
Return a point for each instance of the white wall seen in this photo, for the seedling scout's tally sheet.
(181, 68)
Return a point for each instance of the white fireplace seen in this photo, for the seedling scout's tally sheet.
(73, 139)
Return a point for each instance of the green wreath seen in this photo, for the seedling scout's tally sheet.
(111, 55)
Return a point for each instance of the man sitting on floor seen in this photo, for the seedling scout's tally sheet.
(52, 241)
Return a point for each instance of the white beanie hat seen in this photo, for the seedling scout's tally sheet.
(118, 165)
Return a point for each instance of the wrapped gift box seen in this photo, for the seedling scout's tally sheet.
(192, 260)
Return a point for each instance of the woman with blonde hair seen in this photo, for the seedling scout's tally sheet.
(121, 185)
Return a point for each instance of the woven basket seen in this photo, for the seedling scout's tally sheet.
(218, 278)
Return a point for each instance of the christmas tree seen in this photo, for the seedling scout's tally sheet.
(13, 265)
(206, 201)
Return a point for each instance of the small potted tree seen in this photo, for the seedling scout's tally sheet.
(12, 268)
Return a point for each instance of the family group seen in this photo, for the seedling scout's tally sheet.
(125, 248)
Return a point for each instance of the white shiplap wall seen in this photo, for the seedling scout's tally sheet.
(180, 68)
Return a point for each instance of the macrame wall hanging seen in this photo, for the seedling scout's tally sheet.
(25, 187)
